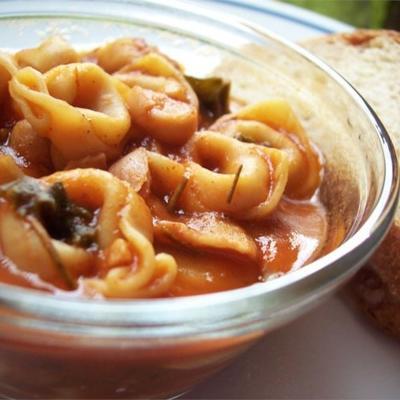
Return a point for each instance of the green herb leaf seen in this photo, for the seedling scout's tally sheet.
(213, 94)
(177, 193)
(50, 205)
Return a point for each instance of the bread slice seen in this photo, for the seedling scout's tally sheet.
(370, 61)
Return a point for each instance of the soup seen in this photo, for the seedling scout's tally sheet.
(121, 177)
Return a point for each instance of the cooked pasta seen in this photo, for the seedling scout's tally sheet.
(117, 54)
(32, 147)
(75, 106)
(274, 124)
(50, 53)
(207, 232)
(126, 261)
(259, 188)
(8, 67)
(121, 177)
(160, 102)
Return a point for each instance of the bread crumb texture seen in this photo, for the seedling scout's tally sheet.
(377, 302)
(370, 61)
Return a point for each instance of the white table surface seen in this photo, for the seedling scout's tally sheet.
(330, 353)
(333, 352)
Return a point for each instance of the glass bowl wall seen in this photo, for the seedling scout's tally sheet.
(56, 348)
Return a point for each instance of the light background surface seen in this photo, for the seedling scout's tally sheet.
(332, 352)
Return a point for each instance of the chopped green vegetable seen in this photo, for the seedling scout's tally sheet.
(213, 94)
(62, 219)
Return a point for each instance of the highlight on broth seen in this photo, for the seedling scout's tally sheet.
(121, 177)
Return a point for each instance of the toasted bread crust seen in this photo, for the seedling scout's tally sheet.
(367, 58)
(359, 37)
(356, 37)
(373, 296)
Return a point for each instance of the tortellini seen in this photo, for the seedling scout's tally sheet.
(133, 168)
(24, 247)
(207, 231)
(122, 177)
(211, 176)
(273, 123)
(132, 269)
(161, 102)
(32, 147)
(118, 54)
(259, 187)
(8, 67)
(128, 267)
(75, 106)
(51, 52)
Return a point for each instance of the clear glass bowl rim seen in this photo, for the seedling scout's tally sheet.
(230, 307)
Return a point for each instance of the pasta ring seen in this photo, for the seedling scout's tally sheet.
(273, 123)
(123, 216)
(76, 106)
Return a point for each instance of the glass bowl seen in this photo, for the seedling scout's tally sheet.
(57, 348)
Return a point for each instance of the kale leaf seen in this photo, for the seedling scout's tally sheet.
(213, 94)
(62, 219)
